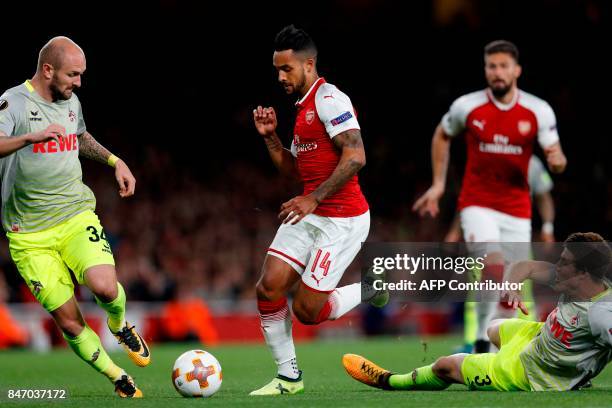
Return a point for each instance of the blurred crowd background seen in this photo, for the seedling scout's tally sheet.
(172, 94)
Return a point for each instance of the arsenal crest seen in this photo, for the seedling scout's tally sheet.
(524, 127)
(310, 114)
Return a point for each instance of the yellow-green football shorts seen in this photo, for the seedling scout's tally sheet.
(502, 371)
(44, 258)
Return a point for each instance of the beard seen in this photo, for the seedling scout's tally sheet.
(500, 91)
(298, 87)
(301, 85)
(56, 94)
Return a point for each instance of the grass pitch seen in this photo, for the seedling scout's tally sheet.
(247, 367)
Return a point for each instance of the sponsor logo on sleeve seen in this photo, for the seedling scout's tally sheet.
(3, 104)
(342, 118)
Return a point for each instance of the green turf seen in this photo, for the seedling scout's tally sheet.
(248, 367)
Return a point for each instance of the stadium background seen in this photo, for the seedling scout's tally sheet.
(170, 87)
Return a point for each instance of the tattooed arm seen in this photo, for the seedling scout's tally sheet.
(91, 149)
(352, 159)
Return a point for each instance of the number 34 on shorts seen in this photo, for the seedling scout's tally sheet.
(99, 236)
(80, 242)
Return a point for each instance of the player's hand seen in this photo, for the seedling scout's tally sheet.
(555, 158)
(265, 121)
(514, 300)
(297, 208)
(125, 179)
(428, 202)
(52, 132)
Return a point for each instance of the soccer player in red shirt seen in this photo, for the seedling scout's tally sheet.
(322, 230)
(500, 124)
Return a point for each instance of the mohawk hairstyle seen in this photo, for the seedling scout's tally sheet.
(296, 39)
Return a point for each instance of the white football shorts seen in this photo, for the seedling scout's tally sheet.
(321, 248)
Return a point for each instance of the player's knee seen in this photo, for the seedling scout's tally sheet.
(493, 333)
(107, 293)
(266, 290)
(442, 367)
(102, 281)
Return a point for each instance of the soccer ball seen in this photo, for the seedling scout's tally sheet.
(197, 373)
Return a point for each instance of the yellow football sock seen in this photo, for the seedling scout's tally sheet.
(422, 378)
(87, 346)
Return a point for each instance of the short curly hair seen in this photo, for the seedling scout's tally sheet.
(591, 252)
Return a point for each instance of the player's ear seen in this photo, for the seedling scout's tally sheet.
(519, 70)
(47, 70)
(309, 64)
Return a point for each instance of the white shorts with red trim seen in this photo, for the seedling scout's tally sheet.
(321, 248)
(485, 225)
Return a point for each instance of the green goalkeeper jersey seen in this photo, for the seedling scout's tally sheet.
(42, 183)
(574, 345)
